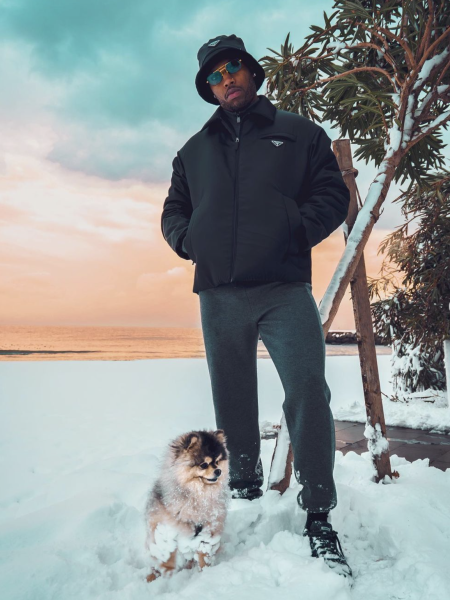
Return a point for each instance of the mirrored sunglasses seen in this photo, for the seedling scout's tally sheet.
(232, 67)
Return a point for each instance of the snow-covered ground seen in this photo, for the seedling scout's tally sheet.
(79, 448)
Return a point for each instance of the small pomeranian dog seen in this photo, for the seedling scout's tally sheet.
(188, 503)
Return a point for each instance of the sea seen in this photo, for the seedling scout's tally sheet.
(20, 343)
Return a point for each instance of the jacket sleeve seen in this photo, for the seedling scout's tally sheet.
(177, 209)
(327, 197)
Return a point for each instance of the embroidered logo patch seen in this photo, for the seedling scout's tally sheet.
(214, 43)
(276, 143)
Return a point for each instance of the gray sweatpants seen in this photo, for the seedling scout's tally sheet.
(287, 318)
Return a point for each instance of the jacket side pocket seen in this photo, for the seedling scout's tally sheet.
(188, 238)
(295, 224)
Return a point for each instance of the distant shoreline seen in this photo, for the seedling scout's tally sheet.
(349, 337)
(23, 343)
(26, 352)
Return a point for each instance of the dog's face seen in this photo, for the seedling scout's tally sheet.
(201, 456)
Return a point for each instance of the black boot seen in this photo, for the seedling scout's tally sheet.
(325, 543)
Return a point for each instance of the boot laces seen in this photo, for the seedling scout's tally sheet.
(325, 542)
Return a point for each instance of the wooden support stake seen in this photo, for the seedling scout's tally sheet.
(366, 348)
(363, 322)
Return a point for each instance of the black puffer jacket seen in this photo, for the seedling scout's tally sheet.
(250, 208)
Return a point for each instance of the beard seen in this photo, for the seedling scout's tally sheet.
(247, 95)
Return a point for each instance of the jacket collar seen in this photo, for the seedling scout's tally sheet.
(264, 108)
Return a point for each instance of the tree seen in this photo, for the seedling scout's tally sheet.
(415, 319)
(380, 71)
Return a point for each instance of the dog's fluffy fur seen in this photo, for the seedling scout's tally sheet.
(187, 505)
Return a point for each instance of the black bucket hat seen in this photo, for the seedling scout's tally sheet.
(209, 53)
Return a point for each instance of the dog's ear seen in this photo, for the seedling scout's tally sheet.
(190, 441)
(220, 435)
(185, 442)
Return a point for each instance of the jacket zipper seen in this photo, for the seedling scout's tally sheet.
(236, 193)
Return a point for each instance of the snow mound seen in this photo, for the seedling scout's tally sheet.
(80, 446)
(87, 541)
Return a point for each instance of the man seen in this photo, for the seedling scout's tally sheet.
(251, 193)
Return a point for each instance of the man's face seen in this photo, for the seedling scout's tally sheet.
(242, 82)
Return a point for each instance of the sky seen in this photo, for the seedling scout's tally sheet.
(96, 98)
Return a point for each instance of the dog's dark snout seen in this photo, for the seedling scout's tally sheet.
(217, 472)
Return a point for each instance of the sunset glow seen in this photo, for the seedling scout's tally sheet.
(81, 250)
(92, 111)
